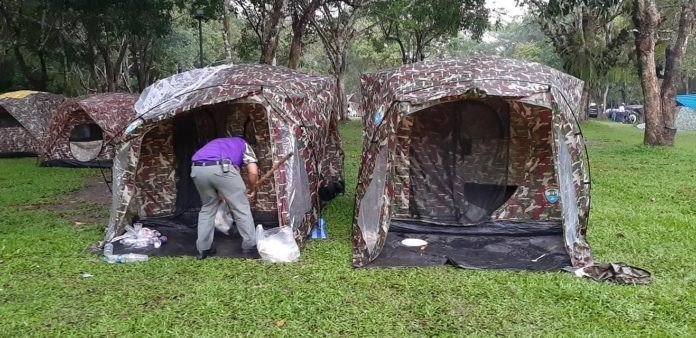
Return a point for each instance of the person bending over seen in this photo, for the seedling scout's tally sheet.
(215, 170)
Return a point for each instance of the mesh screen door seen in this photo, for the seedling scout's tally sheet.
(86, 141)
(458, 158)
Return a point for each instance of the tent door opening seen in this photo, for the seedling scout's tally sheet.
(7, 120)
(193, 130)
(451, 171)
(457, 162)
(189, 132)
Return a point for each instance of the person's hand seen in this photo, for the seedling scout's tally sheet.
(250, 194)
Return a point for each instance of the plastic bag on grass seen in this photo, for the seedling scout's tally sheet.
(277, 245)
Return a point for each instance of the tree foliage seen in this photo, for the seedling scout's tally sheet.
(78, 46)
(415, 25)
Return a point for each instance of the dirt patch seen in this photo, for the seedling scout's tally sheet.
(87, 205)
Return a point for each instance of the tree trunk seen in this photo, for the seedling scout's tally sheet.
(659, 106)
(646, 20)
(341, 93)
(226, 31)
(600, 113)
(108, 67)
(270, 33)
(295, 48)
(340, 67)
(584, 104)
(299, 26)
(92, 63)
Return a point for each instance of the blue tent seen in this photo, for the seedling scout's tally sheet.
(687, 101)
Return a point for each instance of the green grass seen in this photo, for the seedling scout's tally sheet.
(644, 213)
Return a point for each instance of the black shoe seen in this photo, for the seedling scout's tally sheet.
(251, 250)
(251, 253)
(206, 253)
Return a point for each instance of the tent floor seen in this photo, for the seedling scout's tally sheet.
(181, 232)
(491, 247)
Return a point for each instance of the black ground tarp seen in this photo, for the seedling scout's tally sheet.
(490, 245)
(17, 155)
(181, 232)
(77, 164)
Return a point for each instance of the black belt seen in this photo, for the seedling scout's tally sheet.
(205, 163)
(210, 163)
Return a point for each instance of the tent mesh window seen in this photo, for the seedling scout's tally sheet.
(7, 120)
(86, 132)
(86, 141)
(452, 162)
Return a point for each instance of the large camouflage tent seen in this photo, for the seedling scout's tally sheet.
(83, 129)
(278, 111)
(482, 158)
(24, 118)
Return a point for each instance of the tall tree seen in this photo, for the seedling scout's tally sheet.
(337, 26)
(30, 28)
(226, 39)
(588, 35)
(414, 25)
(659, 83)
(265, 18)
(301, 12)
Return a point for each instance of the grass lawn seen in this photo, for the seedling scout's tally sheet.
(644, 213)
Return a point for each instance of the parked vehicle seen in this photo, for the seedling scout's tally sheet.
(593, 111)
(632, 114)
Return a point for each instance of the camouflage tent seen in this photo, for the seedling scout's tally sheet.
(277, 110)
(686, 112)
(686, 119)
(482, 158)
(83, 128)
(24, 117)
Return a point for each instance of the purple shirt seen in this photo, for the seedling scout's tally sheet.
(233, 148)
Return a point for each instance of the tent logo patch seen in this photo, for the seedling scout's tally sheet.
(379, 115)
(552, 195)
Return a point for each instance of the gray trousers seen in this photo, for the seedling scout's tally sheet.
(211, 182)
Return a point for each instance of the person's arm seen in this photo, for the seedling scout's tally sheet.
(252, 170)
(253, 176)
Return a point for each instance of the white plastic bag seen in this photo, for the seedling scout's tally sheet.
(277, 245)
(223, 218)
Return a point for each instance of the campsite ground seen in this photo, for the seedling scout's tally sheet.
(644, 213)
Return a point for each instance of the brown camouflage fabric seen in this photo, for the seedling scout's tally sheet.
(411, 103)
(620, 273)
(110, 111)
(285, 111)
(33, 111)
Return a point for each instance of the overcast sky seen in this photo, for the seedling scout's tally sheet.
(508, 8)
